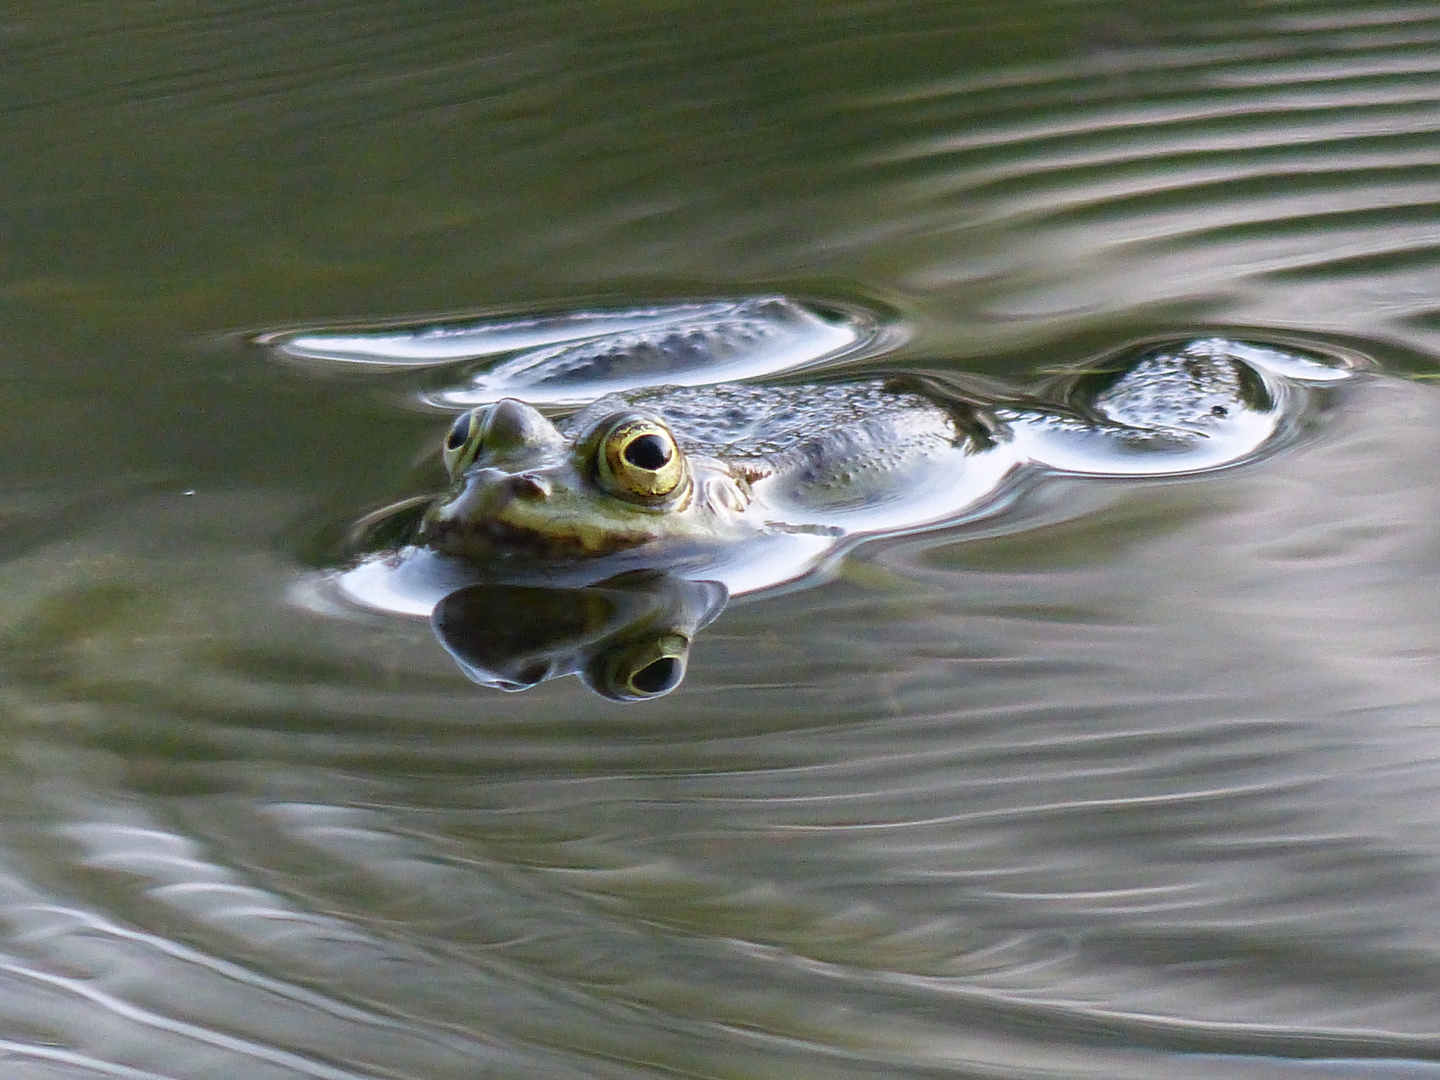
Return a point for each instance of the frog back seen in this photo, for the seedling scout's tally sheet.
(854, 456)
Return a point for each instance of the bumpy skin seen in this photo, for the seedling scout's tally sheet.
(864, 456)
(760, 425)
(542, 500)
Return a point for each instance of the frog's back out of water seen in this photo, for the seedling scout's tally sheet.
(672, 471)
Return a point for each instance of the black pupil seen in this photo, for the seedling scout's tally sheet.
(647, 452)
(656, 676)
(458, 433)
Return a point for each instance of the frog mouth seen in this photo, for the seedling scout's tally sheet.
(560, 542)
(495, 538)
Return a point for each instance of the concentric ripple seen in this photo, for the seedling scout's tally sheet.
(1077, 807)
(1279, 169)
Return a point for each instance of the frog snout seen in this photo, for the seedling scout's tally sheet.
(488, 492)
(527, 487)
(489, 495)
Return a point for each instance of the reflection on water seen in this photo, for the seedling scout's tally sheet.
(1136, 779)
(1141, 773)
(627, 638)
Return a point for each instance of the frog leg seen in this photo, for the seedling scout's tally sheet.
(1168, 410)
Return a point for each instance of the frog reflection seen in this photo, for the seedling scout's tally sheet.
(627, 638)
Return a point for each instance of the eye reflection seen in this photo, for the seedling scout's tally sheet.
(641, 669)
(659, 676)
(627, 638)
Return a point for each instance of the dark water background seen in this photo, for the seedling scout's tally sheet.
(1150, 788)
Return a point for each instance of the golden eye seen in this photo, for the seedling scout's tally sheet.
(647, 669)
(463, 442)
(639, 460)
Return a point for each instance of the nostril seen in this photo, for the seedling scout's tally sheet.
(526, 486)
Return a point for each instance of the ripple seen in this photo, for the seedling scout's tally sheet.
(1145, 788)
(574, 358)
(1283, 176)
(1056, 840)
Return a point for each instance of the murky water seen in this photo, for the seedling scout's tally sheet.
(1138, 779)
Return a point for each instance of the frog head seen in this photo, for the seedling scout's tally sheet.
(523, 488)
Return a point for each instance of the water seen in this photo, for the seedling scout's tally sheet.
(570, 358)
(1139, 783)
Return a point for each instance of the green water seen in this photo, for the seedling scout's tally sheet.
(1144, 788)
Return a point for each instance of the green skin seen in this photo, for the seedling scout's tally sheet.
(527, 488)
(531, 491)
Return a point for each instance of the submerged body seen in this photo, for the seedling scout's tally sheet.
(659, 474)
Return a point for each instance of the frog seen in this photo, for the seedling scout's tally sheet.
(670, 476)
(596, 538)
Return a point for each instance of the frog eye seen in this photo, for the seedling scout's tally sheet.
(639, 460)
(462, 443)
(648, 669)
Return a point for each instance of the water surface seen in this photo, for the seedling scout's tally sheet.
(1142, 782)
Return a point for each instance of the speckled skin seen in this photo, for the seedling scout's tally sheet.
(1191, 389)
(867, 455)
(661, 353)
(757, 455)
(740, 421)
